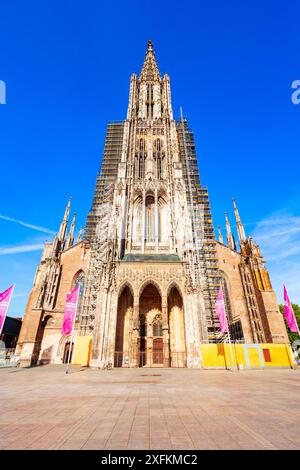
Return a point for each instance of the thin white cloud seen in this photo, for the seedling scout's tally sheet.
(11, 250)
(25, 224)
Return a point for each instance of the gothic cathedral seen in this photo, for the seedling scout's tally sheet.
(148, 265)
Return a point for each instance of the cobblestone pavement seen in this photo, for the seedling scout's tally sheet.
(43, 408)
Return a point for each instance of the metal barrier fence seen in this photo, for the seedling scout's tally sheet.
(8, 358)
(156, 359)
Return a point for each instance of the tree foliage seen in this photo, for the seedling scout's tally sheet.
(296, 308)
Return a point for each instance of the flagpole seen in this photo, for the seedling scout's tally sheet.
(229, 338)
(8, 304)
(72, 337)
(287, 303)
(230, 347)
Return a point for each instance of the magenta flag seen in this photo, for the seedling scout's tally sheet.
(289, 312)
(5, 298)
(221, 312)
(70, 311)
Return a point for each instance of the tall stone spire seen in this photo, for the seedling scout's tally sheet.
(70, 238)
(220, 236)
(64, 224)
(239, 225)
(150, 72)
(230, 239)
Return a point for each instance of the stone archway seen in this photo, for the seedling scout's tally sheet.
(123, 338)
(176, 328)
(150, 335)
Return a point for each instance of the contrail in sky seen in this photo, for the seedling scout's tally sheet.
(25, 224)
(11, 250)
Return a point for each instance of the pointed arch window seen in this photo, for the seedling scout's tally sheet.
(140, 159)
(79, 280)
(158, 156)
(150, 219)
(227, 300)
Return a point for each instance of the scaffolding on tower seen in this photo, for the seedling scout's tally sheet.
(203, 231)
(98, 232)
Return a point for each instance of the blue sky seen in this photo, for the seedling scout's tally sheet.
(67, 67)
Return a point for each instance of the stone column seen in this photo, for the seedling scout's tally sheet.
(134, 349)
(99, 329)
(144, 222)
(130, 225)
(156, 221)
(166, 336)
(149, 362)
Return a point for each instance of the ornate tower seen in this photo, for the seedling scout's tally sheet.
(146, 231)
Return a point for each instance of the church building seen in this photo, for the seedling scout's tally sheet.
(148, 264)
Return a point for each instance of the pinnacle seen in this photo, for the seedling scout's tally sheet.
(150, 71)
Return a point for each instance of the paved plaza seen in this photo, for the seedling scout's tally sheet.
(43, 408)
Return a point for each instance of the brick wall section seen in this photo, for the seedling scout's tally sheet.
(272, 320)
(72, 260)
(229, 261)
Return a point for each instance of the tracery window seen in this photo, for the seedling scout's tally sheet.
(140, 159)
(79, 280)
(227, 300)
(150, 219)
(158, 156)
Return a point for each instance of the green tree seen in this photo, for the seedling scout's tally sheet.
(296, 308)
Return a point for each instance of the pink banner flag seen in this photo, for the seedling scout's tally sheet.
(70, 311)
(221, 312)
(5, 298)
(289, 313)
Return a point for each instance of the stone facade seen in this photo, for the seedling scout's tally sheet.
(149, 265)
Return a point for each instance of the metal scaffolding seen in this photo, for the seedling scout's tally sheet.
(203, 231)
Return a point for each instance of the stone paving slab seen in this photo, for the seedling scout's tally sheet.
(45, 408)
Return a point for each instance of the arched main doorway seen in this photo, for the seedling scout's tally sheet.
(176, 328)
(150, 339)
(124, 328)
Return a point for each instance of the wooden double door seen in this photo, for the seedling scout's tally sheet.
(158, 351)
(145, 359)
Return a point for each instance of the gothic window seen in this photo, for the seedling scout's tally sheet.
(140, 159)
(236, 332)
(142, 145)
(79, 280)
(150, 219)
(159, 167)
(158, 156)
(235, 326)
(227, 301)
(149, 101)
(141, 167)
